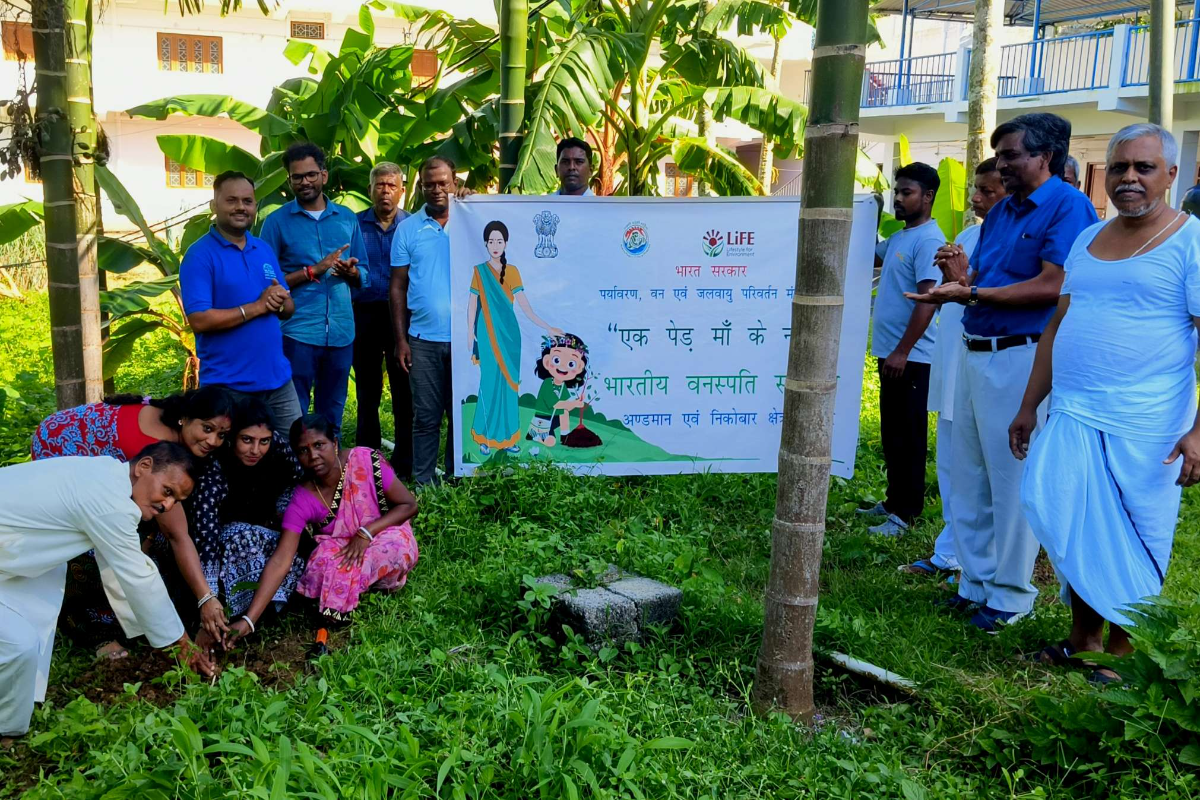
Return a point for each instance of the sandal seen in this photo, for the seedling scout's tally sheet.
(111, 651)
(1056, 655)
(1101, 677)
(924, 566)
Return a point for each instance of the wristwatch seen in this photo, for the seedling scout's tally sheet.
(974, 300)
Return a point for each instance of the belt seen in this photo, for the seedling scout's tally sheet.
(1000, 343)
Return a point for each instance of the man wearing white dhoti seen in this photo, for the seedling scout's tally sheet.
(54, 510)
(1017, 279)
(1101, 489)
(948, 351)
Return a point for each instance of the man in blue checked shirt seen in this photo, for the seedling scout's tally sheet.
(374, 339)
(321, 251)
(1010, 288)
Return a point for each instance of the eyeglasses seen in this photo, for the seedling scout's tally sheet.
(309, 177)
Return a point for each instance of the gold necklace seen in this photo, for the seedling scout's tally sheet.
(341, 473)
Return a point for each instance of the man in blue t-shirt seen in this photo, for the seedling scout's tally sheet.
(902, 341)
(234, 295)
(420, 299)
(1016, 277)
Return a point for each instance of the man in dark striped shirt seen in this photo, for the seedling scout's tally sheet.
(374, 340)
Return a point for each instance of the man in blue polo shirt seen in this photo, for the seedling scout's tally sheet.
(374, 334)
(1011, 295)
(321, 251)
(420, 298)
(234, 296)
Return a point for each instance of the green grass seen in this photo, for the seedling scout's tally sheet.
(450, 689)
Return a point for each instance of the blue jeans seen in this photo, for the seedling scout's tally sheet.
(431, 400)
(323, 372)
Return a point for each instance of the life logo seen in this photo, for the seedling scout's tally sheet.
(714, 243)
(268, 271)
(636, 240)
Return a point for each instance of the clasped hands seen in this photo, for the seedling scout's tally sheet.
(951, 259)
(273, 298)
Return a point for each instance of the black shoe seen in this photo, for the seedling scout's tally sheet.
(958, 603)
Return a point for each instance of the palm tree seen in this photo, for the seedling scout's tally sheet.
(785, 664)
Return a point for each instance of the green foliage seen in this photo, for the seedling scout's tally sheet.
(950, 205)
(17, 218)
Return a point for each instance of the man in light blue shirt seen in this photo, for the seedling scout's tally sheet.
(420, 298)
(574, 167)
(902, 340)
(321, 251)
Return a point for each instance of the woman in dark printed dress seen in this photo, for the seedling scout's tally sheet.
(236, 509)
(120, 427)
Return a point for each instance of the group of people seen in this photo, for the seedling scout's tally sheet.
(1061, 366)
(208, 510)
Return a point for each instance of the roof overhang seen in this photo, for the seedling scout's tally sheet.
(1019, 12)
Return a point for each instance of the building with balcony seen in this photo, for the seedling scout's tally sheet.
(1086, 60)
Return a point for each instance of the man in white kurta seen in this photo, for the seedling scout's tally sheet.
(54, 510)
(947, 357)
(1101, 489)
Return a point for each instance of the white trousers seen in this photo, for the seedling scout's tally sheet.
(943, 549)
(994, 543)
(28, 614)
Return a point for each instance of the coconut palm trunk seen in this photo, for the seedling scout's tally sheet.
(84, 131)
(784, 678)
(514, 34)
(1162, 62)
(766, 154)
(983, 82)
(55, 156)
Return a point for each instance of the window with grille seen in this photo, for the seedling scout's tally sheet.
(678, 184)
(180, 177)
(18, 40)
(308, 30)
(424, 64)
(189, 53)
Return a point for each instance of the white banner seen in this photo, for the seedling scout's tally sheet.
(637, 335)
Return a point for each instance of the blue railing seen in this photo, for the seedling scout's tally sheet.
(1136, 70)
(1050, 66)
(909, 81)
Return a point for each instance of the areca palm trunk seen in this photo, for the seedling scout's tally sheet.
(78, 31)
(766, 154)
(785, 665)
(1162, 62)
(55, 146)
(983, 81)
(514, 34)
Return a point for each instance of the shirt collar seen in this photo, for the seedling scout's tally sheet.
(1043, 193)
(294, 206)
(214, 233)
(424, 215)
(368, 215)
(587, 192)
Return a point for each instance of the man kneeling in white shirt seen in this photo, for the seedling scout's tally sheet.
(54, 510)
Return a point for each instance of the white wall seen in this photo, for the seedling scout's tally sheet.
(126, 73)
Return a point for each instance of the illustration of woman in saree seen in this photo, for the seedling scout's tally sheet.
(495, 339)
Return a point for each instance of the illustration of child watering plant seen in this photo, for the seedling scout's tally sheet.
(562, 367)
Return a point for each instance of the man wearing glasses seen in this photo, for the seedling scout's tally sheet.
(321, 250)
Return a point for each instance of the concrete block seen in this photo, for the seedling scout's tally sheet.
(558, 581)
(657, 603)
(600, 616)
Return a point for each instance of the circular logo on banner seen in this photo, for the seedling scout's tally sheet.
(636, 240)
(714, 243)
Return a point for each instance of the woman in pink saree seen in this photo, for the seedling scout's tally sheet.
(362, 518)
